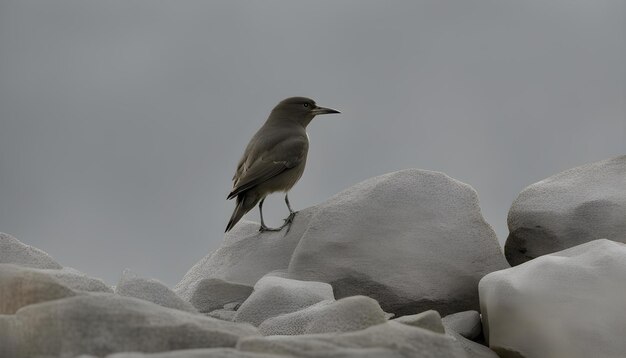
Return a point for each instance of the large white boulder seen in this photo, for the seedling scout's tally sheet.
(12, 251)
(101, 324)
(413, 240)
(578, 205)
(151, 290)
(273, 296)
(246, 255)
(347, 314)
(570, 303)
(388, 340)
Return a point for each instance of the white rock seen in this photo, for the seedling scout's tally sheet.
(223, 314)
(430, 320)
(567, 304)
(273, 296)
(413, 240)
(473, 349)
(347, 314)
(390, 339)
(578, 205)
(101, 324)
(150, 290)
(77, 280)
(246, 255)
(196, 353)
(212, 293)
(22, 286)
(466, 323)
(12, 251)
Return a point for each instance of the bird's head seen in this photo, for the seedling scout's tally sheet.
(299, 109)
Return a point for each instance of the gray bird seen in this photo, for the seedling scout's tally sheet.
(275, 157)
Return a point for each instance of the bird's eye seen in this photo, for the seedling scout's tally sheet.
(306, 104)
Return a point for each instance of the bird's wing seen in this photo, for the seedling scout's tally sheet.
(284, 155)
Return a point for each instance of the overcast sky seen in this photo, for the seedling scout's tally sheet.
(121, 122)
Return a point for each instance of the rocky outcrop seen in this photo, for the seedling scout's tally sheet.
(390, 339)
(100, 324)
(578, 205)
(413, 240)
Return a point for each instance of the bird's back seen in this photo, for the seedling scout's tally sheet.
(270, 145)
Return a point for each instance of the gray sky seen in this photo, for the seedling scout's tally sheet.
(121, 122)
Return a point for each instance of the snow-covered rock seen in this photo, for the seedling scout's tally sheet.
(466, 323)
(430, 320)
(388, 340)
(578, 205)
(246, 254)
(213, 293)
(347, 314)
(413, 240)
(12, 251)
(570, 303)
(150, 290)
(100, 324)
(273, 296)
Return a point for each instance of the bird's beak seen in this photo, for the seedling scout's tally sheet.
(321, 110)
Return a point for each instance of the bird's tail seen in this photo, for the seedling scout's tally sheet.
(245, 203)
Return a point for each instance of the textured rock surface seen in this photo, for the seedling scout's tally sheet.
(223, 314)
(430, 320)
(413, 240)
(273, 296)
(12, 251)
(196, 353)
(578, 205)
(150, 290)
(471, 348)
(246, 254)
(467, 324)
(390, 339)
(566, 304)
(347, 314)
(212, 293)
(77, 280)
(100, 324)
(22, 286)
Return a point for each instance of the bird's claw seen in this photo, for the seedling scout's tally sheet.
(264, 228)
(290, 218)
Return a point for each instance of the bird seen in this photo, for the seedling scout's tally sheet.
(274, 159)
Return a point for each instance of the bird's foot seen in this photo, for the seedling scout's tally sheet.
(264, 228)
(289, 220)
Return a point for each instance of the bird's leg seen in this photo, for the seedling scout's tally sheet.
(292, 214)
(263, 227)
